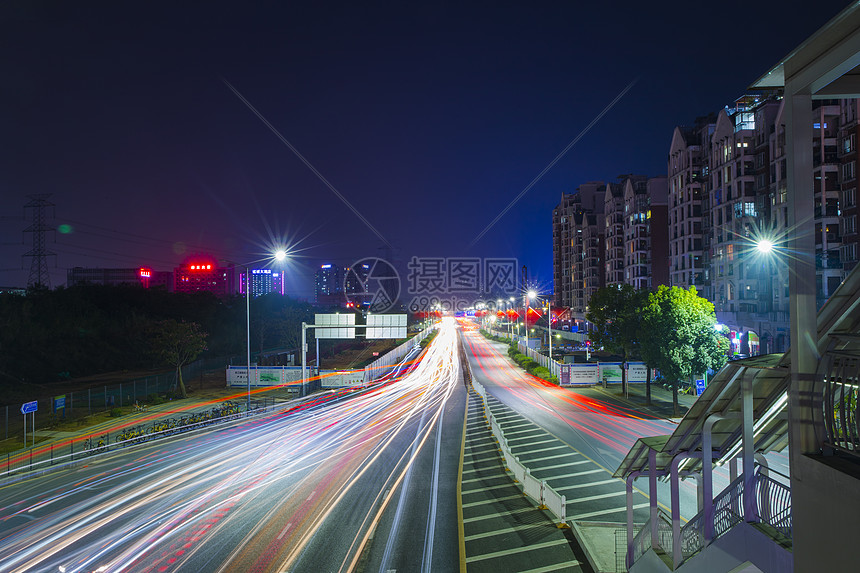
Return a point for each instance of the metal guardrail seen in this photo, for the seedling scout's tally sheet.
(840, 373)
(728, 507)
(773, 504)
(693, 536)
(537, 489)
(641, 543)
(773, 507)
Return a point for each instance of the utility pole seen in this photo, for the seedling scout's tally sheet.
(39, 276)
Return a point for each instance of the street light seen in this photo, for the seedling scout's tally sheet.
(529, 295)
(549, 326)
(280, 255)
(764, 246)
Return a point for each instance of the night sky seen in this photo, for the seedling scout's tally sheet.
(430, 118)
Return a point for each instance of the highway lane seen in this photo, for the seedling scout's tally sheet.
(592, 423)
(366, 483)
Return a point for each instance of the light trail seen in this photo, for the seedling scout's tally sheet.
(254, 497)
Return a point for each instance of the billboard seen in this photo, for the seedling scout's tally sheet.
(593, 373)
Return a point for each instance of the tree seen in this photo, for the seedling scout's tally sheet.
(616, 313)
(178, 343)
(678, 336)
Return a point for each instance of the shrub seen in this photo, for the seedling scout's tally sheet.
(115, 412)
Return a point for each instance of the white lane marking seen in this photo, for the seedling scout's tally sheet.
(310, 497)
(545, 458)
(599, 496)
(607, 511)
(589, 484)
(505, 530)
(499, 514)
(493, 500)
(535, 546)
(568, 464)
(284, 531)
(500, 486)
(518, 432)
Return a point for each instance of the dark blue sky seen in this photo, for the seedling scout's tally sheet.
(429, 118)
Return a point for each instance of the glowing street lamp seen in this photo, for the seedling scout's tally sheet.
(764, 246)
(529, 295)
(280, 255)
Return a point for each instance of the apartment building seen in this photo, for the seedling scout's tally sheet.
(688, 197)
(578, 227)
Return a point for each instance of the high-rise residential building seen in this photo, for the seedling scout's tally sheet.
(646, 232)
(687, 196)
(826, 186)
(577, 247)
(849, 125)
(613, 234)
(732, 200)
(733, 169)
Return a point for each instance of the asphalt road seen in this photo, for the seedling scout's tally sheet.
(366, 483)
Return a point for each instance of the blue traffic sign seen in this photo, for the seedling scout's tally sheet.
(28, 407)
(700, 386)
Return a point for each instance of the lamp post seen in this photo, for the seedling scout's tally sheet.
(510, 325)
(529, 295)
(280, 255)
(549, 326)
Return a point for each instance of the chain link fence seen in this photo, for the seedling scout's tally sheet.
(104, 397)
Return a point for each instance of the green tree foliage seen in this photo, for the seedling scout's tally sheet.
(678, 336)
(616, 313)
(177, 344)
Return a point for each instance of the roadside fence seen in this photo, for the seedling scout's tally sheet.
(378, 367)
(104, 397)
(42, 457)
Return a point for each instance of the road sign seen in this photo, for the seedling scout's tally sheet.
(59, 402)
(700, 386)
(28, 407)
(332, 320)
(386, 326)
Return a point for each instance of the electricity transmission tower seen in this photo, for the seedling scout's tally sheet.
(39, 277)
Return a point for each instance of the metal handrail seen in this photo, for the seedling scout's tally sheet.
(840, 373)
(693, 536)
(773, 504)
